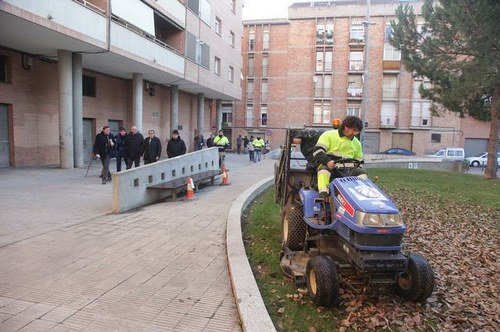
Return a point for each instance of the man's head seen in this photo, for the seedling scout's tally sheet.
(175, 133)
(106, 130)
(221, 133)
(351, 126)
(151, 133)
(123, 131)
(133, 130)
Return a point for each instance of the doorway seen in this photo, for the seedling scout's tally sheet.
(4, 136)
(402, 140)
(88, 138)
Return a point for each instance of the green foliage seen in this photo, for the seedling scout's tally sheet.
(457, 47)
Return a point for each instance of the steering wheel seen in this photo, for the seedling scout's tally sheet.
(356, 163)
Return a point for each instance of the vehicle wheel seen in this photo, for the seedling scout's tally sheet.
(417, 282)
(293, 228)
(322, 281)
(475, 163)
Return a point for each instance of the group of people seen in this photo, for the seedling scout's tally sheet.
(253, 146)
(130, 147)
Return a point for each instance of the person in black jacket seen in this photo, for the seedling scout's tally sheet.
(175, 146)
(152, 148)
(133, 147)
(103, 148)
(120, 148)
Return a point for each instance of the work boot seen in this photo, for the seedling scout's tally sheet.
(103, 180)
(108, 178)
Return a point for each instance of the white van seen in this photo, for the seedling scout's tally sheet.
(455, 154)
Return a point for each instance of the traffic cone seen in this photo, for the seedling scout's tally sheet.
(190, 187)
(225, 177)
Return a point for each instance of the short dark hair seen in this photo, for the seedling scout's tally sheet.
(122, 128)
(105, 127)
(352, 122)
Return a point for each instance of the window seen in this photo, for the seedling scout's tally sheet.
(250, 90)
(4, 69)
(324, 60)
(231, 74)
(197, 50)
(218, 26)
(194, 5)
(322, 86)
(420, 113)
(390, 86)
(249, 115)
(357, 32)
(251, 63)
(328, 60)
(265, 40)
(264, 90)
(355, 88)
(231, 38)
(319, 61)
(321, 113)
(227, 114)
(324, 32)
(416, 87)
(435, 138)
(329, 33)
(251, 41)
(353, 110)
(320, 33)
(388, 114)
(356, 61)
(391, 53)
(89, 86)
(263, 115)
(265, 63)
(233, 6)
(217, 66)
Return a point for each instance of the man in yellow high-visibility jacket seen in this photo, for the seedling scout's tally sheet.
(258, 146)
(222, 143)
(335, 144)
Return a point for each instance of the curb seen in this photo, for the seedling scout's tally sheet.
(252, 311)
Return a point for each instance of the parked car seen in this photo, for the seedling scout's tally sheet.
(399, 151)
(481, 159)
(455, 154)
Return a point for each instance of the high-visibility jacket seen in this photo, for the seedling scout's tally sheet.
(221, 142)
(258, 143)
(335, 143)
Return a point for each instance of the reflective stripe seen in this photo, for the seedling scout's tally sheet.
(318, 151)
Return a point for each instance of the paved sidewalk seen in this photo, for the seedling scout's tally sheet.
(66, 264)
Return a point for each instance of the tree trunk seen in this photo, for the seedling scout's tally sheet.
(491, 167)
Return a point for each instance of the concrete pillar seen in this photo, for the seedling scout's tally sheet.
(65, 70)
(77, 110)
(137, 101)
(174, 108)
(219, 114)
(201, 112)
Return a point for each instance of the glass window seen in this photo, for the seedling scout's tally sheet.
(251, 66)
(390, 86)
(265, 63)
(231, 74)
(4, 70)
(250, 90)
(231, 38)
(357, 32)
(353, 110)
(233, 6)
(263, 115)
(217, 66)
(251, 41)
(319, 60)
(329, 33)
(391, 53)
(355, 88)
(388, 114)
(218, 26)
(264, 90)
(89, 86)
(265, 40)
(321, 113)
(249, 115)
(328, 60)
(356, 60)
(320, 34)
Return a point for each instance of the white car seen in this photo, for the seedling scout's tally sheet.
(481, 159)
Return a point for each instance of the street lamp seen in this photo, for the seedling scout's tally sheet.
(364, 100)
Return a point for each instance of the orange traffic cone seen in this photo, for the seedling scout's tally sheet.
(190, 187)
(225, 177)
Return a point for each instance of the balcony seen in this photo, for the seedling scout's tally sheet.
(354, 92)
(388, 121)
(419, 122)
(357, 42)
(391, 66)
(356, 66)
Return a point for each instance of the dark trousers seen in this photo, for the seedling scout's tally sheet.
(149, 161)
(129, 161)
(238, 148)
(119, 163)
(251, 154)
(105, 168)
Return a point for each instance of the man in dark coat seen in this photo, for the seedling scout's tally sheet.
(133, 147)
(103, 148)
(175, 146)
(120, 148)
(152, 148)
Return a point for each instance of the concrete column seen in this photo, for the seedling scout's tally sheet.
(137, 101)
(201, 112)
(65, 70)
(77, 110)
(219, 114)
(174, 108)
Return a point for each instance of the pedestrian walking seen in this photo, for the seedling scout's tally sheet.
(258, 145)
(151, 148)
(245, 144)
(222, 143)
(176, 146)
(199, 141)
(239, 143)
(210, 141)
(133, 147)
(103, 150)
(251, 149)
(120, 148)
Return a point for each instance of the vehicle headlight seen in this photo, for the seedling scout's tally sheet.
(378, 220)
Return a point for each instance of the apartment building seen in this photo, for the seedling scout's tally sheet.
(68, 67)
(327, 61)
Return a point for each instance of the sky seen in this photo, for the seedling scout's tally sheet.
(261, 9)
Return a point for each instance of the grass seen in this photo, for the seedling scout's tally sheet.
(286, 306)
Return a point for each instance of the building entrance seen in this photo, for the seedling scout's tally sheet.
(4, 136)
(88, 138)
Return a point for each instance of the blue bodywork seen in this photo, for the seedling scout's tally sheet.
(351, 194)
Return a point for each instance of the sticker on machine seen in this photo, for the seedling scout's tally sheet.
(364, 193)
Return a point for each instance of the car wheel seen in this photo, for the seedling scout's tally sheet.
(293, 228)
(475, 163)
(322, 281)
(417, 282)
